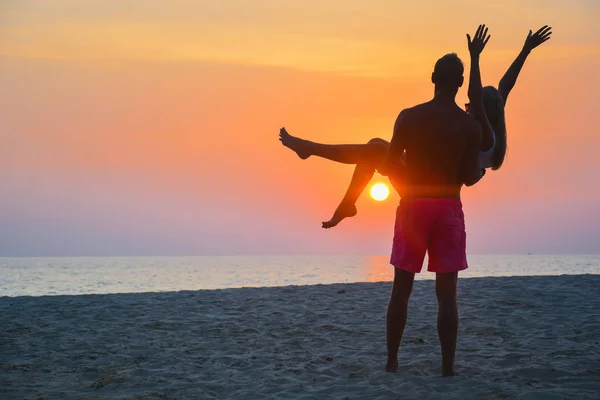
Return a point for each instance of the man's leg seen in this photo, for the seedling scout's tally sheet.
(396, 315)
(445, 290)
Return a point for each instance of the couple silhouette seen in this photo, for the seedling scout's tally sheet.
(436, 148)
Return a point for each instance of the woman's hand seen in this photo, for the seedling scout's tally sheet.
(478, 43)
(535, 39)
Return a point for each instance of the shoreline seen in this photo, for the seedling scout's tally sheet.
(101, 276)
(183, 291)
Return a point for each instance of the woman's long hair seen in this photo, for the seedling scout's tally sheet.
(494, 109)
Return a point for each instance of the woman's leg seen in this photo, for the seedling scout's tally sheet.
(367, 158)
(363, 173)
(368, 153)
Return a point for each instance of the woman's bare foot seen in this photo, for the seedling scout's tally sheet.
(343, 211)
(300, 146)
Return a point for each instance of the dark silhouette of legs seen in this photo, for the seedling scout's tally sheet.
(369, 153)
(396, 315)
(367, 158)
(445, 290)
(375, 150)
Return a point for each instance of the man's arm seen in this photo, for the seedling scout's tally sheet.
(394, 157)
(471, 172)
(510, 77)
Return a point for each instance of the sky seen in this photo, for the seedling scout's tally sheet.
(145, 127)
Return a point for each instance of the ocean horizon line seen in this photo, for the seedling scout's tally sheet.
(281, 255)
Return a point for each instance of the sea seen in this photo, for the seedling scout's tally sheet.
(102, 275)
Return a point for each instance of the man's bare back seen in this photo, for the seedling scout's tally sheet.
(440, 143)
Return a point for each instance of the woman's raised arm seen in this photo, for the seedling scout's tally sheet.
(532, 41)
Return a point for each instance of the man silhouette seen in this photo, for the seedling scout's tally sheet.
(440, 144)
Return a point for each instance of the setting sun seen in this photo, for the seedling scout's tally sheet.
(380, 191)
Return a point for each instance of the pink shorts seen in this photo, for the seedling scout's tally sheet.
(435, 226)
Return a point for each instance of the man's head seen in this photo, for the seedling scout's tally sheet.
(448, 73)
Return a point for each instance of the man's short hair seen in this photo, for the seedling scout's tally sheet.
(448, 71)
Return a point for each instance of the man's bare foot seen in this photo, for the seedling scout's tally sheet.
(343, 211)
(392, 366)
(300, 146)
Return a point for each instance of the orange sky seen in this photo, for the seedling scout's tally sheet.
(150, 127)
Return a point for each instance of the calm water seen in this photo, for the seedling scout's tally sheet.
(55, 276)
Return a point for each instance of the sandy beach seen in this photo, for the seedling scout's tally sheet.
(520, 337)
